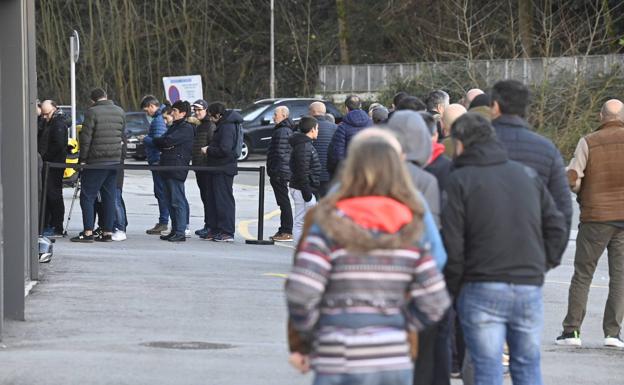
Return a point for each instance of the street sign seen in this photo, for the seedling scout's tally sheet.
(183, 88)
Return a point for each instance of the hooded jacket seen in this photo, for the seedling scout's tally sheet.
(278, 154)
(326, 130)
(157, 128)
(203, 137)
(500, 222)
(352, 123)
(439, 166)
(220, 152)
(304, 164)
(533, 150)
(101, 133)
(176, 147)
(52, 138)
(414, 136)
(360, 272)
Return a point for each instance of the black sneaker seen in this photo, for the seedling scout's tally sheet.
(81, 237)
(572, 338)
(209, 236)
(104, 238)
(223, 237)
(166, 237)
(177, 238)
(97, 232)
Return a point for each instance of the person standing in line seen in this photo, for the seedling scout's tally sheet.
(176, 148)
(361, 278)
(595, 174)
(121, 219)
(327, 129)
(100, 144)
(306, 171)
(53, 148)
(451, 113)
(278, 169)
(203, 137)
(495, 274)
(158, 127)
(436, 102)
(222, 153)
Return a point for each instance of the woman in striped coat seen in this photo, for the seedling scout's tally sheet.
(360, 279)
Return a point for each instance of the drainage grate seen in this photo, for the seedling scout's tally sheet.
(186, 345)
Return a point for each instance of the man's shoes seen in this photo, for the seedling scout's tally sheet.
(613, 342)
(572, 338)
(166, 237)
(119, 236)
(208, 236)
(97, 232)
(223, 237)
(282, 237)
(178, 238)
(50, 232)
(104, 238)
(202, 231)
(157, 229)
(82, 238)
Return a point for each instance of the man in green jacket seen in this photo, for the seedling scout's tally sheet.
(100, 144)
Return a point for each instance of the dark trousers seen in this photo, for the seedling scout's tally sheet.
(55, 206)
(174, 191)
(324, 188)
(159, 193)
(121, 219)
(432, 367)
(203, 181)
(92, 182)
(280, 188)
(221, 206)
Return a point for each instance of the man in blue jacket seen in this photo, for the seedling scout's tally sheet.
(510, 102)
(158, 128)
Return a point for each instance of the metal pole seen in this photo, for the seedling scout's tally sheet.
(42, 206)
(272, 80)
(260, 240)
(74, 48)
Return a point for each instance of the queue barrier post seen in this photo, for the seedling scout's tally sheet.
(260, 240)
(43, 200)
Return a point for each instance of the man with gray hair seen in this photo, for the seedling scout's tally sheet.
(595, 174)
(278, 158)
(497, 263)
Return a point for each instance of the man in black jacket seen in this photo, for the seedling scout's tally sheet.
(53, 148)
(326, 132)
(100, 144)
(278, 168)
(203, 137)
(306, 170)
(510, 101)
(221, 153)
(502, 232)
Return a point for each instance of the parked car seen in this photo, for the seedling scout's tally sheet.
(137, 124)
(67, 112)
(258, 120)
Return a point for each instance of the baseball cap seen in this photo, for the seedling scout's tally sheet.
(201, 103)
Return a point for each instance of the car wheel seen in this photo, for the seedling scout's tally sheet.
(245, 151)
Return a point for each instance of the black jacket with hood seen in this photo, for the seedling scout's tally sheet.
(304, 164)
(500, 222)
(52, 138)
(176, 147)
(278, 154)
(220, 152)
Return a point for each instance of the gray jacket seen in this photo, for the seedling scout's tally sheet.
(101, 133)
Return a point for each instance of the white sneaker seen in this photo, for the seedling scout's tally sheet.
(613, 342)
(119, 235)
(187, 232)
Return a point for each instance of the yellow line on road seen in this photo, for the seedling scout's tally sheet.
(276, 275)
(243, 226)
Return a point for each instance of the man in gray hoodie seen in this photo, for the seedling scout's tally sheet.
(414, 136)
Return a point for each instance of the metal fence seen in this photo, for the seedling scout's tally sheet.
(376, 77)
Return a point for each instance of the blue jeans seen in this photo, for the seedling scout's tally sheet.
(121, 221)
(178, 205)
(391, 377)
(492, 313)
(161, 198)
(92, 182)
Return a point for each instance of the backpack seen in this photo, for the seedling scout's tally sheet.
(238, 141)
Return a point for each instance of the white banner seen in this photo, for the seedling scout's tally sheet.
(187, 88)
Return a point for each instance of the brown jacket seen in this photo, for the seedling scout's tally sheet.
(596, 173)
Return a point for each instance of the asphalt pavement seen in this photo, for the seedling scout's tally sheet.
(145, 311)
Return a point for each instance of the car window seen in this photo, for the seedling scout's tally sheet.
(251, 112)
(136, 124)
(298, 109)
(333, 110)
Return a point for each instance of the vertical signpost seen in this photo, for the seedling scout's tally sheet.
(74, 48)
(272, 79)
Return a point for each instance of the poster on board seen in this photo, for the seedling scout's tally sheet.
(183, 88)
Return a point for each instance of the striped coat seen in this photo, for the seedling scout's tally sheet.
(356, 306)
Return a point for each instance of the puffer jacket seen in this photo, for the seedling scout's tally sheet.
(352, 123)
(304, 164)
(101, 134)
(327, 130)
(533, 150)
(203, 137)
(278, 154)
(53, 139)
(157, 128)
(176, 147)
(220, 152)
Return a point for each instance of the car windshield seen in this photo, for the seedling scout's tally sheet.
(136, 124)
(251, 112)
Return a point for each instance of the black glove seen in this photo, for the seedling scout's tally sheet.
(307, 195)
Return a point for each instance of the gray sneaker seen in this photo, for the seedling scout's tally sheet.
(157, 229)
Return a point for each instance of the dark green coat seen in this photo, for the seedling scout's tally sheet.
(101, 133)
